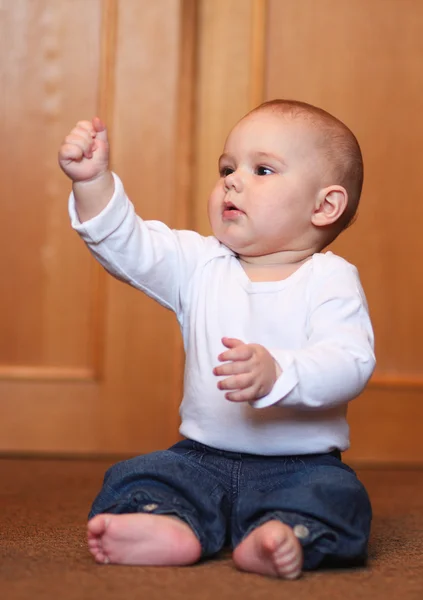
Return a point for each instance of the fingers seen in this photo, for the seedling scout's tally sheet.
(98, 124)
(236, 382)
(79, 142)
(232, 368)
(239, 352)
(99, 129)
(241, 395)
(250, 371)
(231, 342)
(237, 367)
(70, 151)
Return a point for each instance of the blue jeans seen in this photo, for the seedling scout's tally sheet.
(223, 496)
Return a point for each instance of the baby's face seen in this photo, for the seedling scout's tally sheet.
(270, 177)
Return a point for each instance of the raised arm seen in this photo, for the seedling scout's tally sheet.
(145, 254)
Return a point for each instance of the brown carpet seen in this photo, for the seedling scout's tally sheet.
(44, 503)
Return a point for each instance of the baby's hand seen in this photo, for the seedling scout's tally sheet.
(251, 368)
(84, 153)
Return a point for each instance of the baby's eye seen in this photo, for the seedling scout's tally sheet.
(263, 171)
(225, 171)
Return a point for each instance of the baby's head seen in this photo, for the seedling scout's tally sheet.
(290, 180)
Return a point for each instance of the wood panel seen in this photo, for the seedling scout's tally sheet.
(229, 84)
(42, 270)
(361, 61)
(88, 365)
(385, 427)
(142, 394)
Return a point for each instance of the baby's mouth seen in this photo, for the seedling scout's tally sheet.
(231, 211)
(230, 207)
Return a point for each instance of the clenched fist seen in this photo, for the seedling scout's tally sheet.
(84, 153)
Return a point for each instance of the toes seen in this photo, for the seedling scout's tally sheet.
(288, 569)
(288, 563)
(96, 530)
(100, 556)
(93, 544)
(273, 544)
(98, 525)
(102, 559)
(291, 574)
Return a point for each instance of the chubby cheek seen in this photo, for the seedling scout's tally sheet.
(214, 206)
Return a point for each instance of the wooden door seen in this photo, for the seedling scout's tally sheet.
(88, 365)
(362, 61)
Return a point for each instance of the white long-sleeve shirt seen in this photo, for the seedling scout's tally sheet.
(315, 323)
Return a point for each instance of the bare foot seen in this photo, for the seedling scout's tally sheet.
(271, 549)
(140, 539)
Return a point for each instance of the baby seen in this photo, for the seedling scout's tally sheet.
(277, 338)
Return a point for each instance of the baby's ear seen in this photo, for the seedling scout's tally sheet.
(331, 203)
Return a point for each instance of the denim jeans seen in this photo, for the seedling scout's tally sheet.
(223, 496)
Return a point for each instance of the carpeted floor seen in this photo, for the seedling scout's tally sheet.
(43, 553)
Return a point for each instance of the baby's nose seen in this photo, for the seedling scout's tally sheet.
(233, 181)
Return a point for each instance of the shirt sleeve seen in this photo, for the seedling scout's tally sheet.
(145, 254)
(335, 364)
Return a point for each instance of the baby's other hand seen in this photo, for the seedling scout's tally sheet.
(251, 370)
(84, 153)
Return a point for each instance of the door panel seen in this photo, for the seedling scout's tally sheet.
(87, 365)
(42, 268)
(361, 61)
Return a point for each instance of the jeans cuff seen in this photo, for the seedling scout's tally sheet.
(316, 540)
(156, 503)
